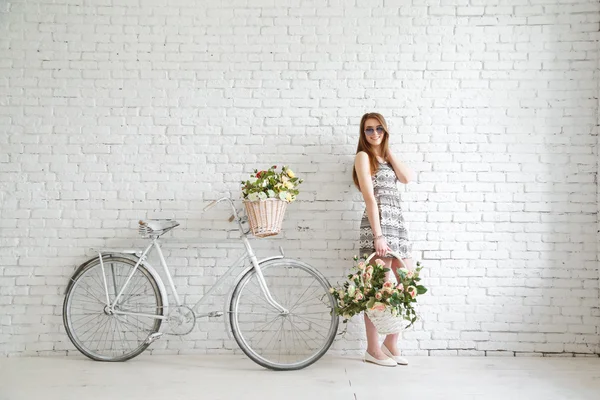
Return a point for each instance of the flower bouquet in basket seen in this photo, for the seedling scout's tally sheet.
(266, 195)
(388, 304)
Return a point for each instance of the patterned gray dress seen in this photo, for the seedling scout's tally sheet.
(392, 222)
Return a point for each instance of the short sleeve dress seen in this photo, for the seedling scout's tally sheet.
(393, 226)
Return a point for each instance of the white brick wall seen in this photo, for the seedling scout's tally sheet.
(115, 111)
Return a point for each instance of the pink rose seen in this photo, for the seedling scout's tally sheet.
(361, 265)
(410, 274)
(388, 284)
(358, 296)
(378, 295)
(412, 291)
(400, 287)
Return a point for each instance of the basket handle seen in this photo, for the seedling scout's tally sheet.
(393, 253)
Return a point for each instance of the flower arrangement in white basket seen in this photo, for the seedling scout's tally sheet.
(388, 304)
(266, 195)
(270, 184)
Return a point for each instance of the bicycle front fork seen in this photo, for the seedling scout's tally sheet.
(264, 288)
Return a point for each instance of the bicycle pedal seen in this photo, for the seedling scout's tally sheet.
(153, 337)
(213, 314)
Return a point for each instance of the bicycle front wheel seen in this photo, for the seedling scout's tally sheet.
(103, 335)
(279, 340)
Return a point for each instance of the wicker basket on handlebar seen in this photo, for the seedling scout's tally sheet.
(265, 216)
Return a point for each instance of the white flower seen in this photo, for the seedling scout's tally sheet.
(331, 290)
(289, 185)
(290, 173)
(262, 196)
(253, 197)
(351, 290)
(283, 195)
(271, 193)
(253, 179)
(265, 183)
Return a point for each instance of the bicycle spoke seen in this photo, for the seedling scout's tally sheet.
(302, 296)
(122, 341)
(134, 332)
(264, 327)
(323, 336)
(301, 332)
(86, 316)
(95, 322)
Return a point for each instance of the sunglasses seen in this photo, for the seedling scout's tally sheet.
(371, 131)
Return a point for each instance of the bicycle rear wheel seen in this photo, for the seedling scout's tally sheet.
(277, 340)
(93, 329)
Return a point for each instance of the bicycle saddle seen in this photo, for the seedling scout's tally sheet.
(156, 227)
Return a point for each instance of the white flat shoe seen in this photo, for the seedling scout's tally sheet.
(386, 362)
(399, 359)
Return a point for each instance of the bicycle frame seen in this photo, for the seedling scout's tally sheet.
(142, 259)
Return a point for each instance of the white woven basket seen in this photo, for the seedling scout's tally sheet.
(265, 216)
(384, 321)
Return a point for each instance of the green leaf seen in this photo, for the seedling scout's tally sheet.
(421, 289)
(371, 302)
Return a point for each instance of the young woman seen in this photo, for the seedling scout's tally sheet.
(382, 229)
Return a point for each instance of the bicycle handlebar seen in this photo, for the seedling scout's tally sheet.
(215, 202)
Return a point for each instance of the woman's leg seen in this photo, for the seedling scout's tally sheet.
(372, 335)
(391, 341)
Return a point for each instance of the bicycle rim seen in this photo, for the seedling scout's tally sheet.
(103, 336)
(284, 341)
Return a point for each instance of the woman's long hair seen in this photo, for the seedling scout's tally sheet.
(363, 145)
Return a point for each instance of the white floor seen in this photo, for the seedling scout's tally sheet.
(235, 377)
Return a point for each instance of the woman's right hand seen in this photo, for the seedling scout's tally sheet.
(381, 247)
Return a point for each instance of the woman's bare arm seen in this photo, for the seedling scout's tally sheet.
(363, 170)
(403, 172)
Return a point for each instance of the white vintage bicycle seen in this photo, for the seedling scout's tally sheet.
(279, 310)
